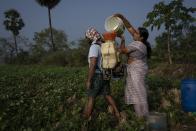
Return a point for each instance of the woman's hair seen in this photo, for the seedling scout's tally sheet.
(144, 33)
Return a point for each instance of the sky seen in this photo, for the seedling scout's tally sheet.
(75, 16)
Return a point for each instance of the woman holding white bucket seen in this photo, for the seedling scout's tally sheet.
(138, 52)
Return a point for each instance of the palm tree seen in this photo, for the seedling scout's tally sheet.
(14, 23)
(50, 4)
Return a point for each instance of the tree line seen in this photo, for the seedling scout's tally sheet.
(51, 46)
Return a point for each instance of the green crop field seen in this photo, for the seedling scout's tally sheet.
(53, 98)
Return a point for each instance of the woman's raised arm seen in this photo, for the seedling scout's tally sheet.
(127, 24)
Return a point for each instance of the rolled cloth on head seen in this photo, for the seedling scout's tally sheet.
(92, 34)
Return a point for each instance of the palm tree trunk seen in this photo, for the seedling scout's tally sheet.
(168, 46)
(15, 43)
(51, 33)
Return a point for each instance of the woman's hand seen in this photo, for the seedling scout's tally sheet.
(127, 24)
(130, 60)
(118, 15)
(122, 37)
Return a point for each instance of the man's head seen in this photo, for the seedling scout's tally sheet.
(92, 34)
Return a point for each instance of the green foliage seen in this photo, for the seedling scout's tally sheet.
(6, 47)
(171, 15)
(48, 3)
(53, 98)
(41, 52)
(37, 98)
(161, 48)
(78, 56)
(43, 43)
(22, 58)
(64, 55)
(59, 58)
(175, 18)
(183, 48)
(157, 86)
(13, 22)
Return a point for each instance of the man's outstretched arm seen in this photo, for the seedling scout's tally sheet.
(91, 71)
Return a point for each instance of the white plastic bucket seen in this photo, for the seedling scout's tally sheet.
(157, 121)
(114, 24)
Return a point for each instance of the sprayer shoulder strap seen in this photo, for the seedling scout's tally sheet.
(97, 66)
